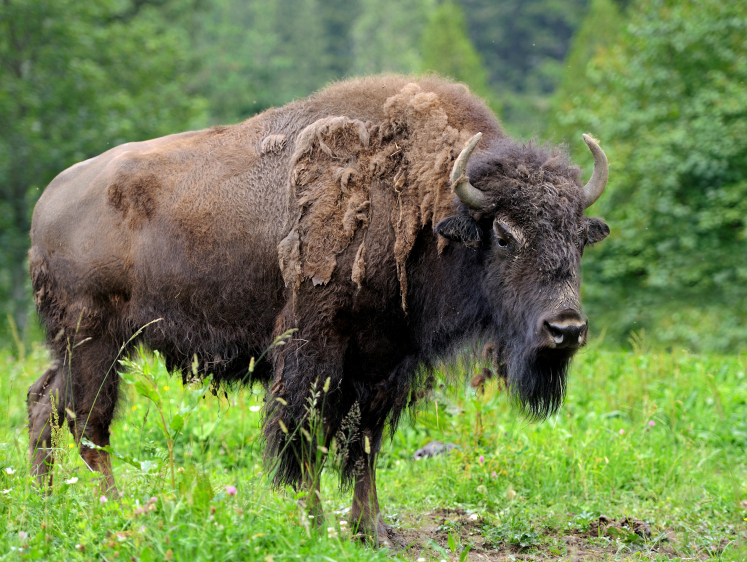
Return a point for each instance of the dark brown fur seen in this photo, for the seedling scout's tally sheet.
(318, 216)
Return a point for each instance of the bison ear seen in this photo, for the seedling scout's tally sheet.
(460, 228)
(596, 231)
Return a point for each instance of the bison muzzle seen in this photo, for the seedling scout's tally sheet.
(389, 222)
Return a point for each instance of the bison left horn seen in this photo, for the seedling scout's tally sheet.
(598, 181)
(467, 193)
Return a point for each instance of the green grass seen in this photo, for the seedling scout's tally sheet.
(655, 437)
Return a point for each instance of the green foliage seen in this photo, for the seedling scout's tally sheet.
(447, 48)
(523, 44)
(669, 103)
(144, 376)
(254, 55)
(598, 31)
(338, 18)
(75, 79)
(657, 437)
(387, 39)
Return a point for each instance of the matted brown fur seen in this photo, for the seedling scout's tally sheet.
(337, 161)
(320, 216)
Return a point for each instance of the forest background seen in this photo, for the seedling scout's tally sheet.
(662, 84)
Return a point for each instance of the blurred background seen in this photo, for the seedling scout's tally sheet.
(662, 84)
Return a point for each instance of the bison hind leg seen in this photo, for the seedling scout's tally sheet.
(80, 387)
(95, 392)
(45, 405)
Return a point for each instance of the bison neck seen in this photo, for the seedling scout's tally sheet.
(447, 308)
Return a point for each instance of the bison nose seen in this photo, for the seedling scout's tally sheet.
(565, 330)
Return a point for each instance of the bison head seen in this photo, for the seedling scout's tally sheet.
(523, 208)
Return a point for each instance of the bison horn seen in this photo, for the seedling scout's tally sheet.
(467, 193)
(594, 188)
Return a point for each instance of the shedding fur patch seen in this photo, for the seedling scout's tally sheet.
(333, 202)
(133, 195)
(338, 162)
(273, 143)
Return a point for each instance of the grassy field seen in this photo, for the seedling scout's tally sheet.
(646, 461)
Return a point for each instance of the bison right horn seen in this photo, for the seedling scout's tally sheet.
(467, 193)
(598, 181)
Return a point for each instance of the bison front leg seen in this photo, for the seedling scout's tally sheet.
(365, 516)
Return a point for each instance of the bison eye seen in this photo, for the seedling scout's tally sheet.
(503, 237)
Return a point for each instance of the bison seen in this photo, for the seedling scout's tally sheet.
(388, 222)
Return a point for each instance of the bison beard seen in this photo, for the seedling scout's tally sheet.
(537, 381)
(348, 218)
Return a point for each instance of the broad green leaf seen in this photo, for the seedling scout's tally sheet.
(177, 423)
(145, 389)
(452, 542)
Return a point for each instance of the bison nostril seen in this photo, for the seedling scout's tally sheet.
(555, 332)
(566, 330)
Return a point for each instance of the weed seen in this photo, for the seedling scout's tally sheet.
(686, 475)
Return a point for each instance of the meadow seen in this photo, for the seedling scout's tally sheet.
(645, 461)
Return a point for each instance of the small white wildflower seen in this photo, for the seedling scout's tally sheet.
(343, 523)
(23, 535)
(72, 480)
(6, 491)
(255, 408)
(9, 470)
(331, 533)
(421, 559)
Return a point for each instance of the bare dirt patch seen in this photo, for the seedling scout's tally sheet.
(606, 539)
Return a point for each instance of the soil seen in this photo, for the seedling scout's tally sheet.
(606, 539)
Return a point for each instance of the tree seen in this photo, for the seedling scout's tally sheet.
(338, 19)
(447, 48)
(669, 102)
(386, 36)
(523, 44)
(599, 31)
(253, 55)
(76, 78)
